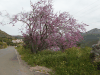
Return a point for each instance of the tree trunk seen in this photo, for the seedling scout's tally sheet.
(33, 48)
(61, 48)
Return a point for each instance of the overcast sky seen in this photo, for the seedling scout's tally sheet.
(86, 11)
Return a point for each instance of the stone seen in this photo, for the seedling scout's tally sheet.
(54, 48)
(95, 49)
(95, 54)
(41, 69)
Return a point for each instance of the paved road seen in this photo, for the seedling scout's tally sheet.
(9, 63)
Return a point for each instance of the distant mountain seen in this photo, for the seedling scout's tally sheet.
(92, 31)
(18, 36)
(91, 37)
(92, 34)
(4, 34)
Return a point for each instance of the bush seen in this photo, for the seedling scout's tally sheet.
(73, 61)
(18, 45)
(27, 46)
(3, 45)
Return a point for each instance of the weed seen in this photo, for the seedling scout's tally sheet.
(73, 61)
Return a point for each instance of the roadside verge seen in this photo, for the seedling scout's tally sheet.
(37, 70)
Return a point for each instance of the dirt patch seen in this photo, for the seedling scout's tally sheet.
(40, 69)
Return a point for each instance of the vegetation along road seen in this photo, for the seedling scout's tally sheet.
(10, 63)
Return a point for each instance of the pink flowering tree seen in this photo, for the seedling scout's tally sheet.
(45, 29)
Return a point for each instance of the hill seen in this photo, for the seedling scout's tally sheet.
(4, 37)
(4, 34)
(17, 36)
(92, 31)
(91, 37)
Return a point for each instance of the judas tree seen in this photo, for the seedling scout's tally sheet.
(46, 29)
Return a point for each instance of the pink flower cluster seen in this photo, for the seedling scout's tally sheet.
(45, 28)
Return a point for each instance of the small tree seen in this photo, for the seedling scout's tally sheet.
(46, 29)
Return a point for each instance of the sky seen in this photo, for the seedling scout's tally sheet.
(85, 11)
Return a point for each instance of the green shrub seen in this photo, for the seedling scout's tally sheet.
(73, 61)
(3, 45)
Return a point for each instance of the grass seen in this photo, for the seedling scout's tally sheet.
(73, 61)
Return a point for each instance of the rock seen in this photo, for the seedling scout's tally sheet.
(95, 54)
(41, 69)
(54, 48)
(95, 49)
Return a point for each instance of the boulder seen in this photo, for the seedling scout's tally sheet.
(95, 54)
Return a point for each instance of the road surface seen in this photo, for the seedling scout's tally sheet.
(10, 63)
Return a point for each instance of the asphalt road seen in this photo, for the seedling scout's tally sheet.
(11, 63)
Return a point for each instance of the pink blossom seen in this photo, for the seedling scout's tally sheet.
(44, 27)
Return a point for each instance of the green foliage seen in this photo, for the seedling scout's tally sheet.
(4, 34)
(4, 37)
(73, 61)
(97, 64)
(3, 45)
(8, 41)
(78, 44)
(89, 43)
